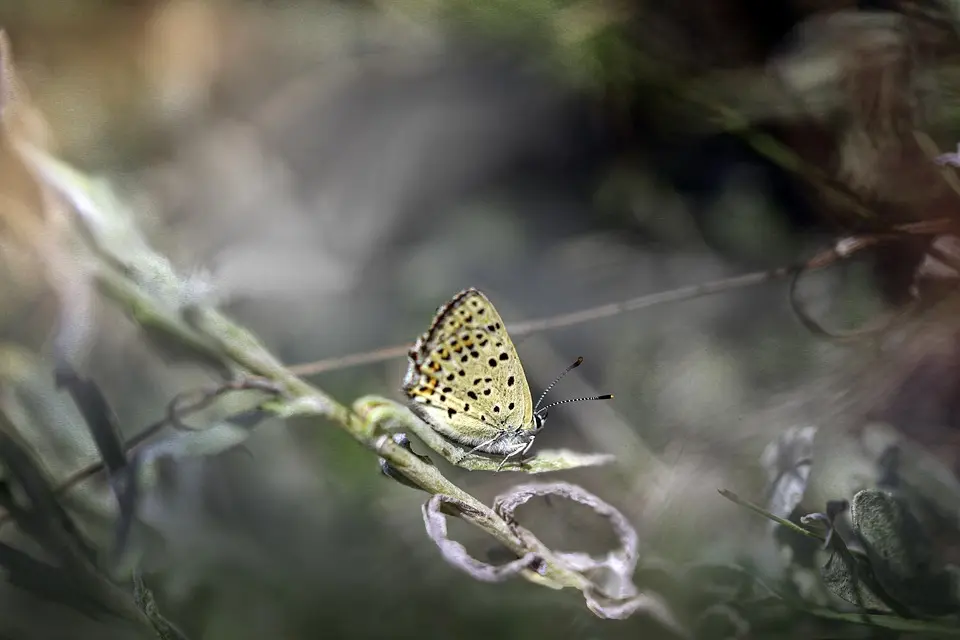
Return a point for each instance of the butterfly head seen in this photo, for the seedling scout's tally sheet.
(538, 421)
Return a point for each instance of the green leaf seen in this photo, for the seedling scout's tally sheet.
(847, 576)
(901, 554)
(544, 461)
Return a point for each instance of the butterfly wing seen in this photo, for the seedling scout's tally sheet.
(464, 376)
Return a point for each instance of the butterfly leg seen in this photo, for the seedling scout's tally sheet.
(519, 451)
(480, 446)
(527, 448)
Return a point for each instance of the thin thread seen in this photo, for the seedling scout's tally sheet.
(843, 248)
(564, 320)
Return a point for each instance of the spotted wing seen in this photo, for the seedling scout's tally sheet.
(464, 375)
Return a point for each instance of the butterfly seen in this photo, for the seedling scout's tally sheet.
(465, 380)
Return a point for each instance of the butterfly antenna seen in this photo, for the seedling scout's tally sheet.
(554, 383)
(606, 396)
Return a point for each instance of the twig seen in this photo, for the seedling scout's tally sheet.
(931, 627)
(565, 320)
(178, 408)
(732, 497)
(842, 249)
(143, 597)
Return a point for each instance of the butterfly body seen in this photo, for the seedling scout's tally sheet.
(466, 381)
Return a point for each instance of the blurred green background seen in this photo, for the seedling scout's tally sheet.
(343, 168)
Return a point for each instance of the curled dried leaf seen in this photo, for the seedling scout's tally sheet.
(644, 602)
(621, 562)
(455, 553)
(612, 593)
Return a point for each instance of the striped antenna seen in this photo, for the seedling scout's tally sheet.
(606, 396)
(554, 383)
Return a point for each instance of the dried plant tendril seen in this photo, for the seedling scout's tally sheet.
(612, 594)
(455, 553)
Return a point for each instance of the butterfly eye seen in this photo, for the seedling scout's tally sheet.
(539, 419)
